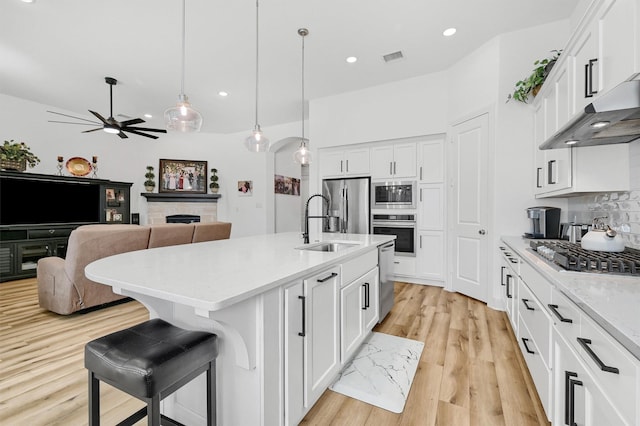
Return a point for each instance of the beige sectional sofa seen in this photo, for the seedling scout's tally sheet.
(62, 286)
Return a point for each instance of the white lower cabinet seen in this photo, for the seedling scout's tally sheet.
(359, 310)
(322, 342)
(578, 398)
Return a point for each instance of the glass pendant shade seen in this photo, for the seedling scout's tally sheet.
(302, 155)
(257, 141)
(182, 117)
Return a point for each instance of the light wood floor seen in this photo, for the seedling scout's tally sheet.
(469, 374)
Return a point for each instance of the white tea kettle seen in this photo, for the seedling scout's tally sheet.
(602, 238)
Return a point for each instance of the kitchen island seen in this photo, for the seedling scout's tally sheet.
(257, 294)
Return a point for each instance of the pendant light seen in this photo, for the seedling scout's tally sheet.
(182, 117)
(302, 154)
(257, 142)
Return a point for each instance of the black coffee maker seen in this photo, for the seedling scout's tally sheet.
(545, 222)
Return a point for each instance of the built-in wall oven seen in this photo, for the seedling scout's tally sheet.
(393, 195)
(403, 226)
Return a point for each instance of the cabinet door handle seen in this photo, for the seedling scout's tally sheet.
(341, 166)
(328, 277)
(509, 295)
(526, 304)
(394, 168)
(526, 347)
(347, 166)
(554, 309)
(568, 396)
(420, 241)
(365, 286)
(572, 400)
(588, 79)
(420, 194)
(420, 172)
(538, 171)
(550, 176)
(304, 317)
(585, 345)
(502, 268)
(391, 168)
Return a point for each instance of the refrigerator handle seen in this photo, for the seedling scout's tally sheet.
(346, 210)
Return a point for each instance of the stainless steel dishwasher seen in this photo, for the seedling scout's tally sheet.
(385, 265)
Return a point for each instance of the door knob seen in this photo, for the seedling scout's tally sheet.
(482, 232)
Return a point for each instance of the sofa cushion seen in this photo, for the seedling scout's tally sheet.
(170, 234)
(211, 231)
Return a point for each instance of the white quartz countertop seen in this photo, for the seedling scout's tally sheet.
(612, 301)
(213, 275)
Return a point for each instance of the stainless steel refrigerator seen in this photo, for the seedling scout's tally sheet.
(349, 205)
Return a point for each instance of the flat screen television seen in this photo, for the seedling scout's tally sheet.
(27, 201)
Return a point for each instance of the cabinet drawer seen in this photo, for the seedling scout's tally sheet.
(565, 315)
(49, 233)
(621, 386)
(403, 265)
(536, 282)
(540, 374)
(355, 268)
(537, 322)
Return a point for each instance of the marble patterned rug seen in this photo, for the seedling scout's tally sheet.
(381, 372)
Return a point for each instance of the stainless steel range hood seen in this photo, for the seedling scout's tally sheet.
(613, 117)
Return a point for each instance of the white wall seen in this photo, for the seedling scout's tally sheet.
(125, 160)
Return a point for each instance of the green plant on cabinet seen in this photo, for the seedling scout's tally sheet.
(16, 156)
(531, 85)
(149, 183)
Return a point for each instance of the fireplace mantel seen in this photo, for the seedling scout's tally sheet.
(170, 197)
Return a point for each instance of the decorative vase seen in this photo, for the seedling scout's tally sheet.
(149, 188)
(536, 89)
(17, 165)
(214, 190)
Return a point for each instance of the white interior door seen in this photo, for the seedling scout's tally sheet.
(468, 207)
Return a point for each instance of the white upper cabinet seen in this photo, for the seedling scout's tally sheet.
(394, 161)
(601, 54)
(606, 52)
(431, 161)
(344, 162)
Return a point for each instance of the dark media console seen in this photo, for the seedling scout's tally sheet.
(38, 213)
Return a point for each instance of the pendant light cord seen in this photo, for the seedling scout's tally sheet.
(184, 20)
(303, 35)
(257, 58)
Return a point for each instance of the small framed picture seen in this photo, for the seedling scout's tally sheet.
(183, 176)
(245, 188)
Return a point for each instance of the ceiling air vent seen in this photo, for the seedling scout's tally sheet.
(393, 56)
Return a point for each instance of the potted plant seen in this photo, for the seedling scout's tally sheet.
(16, 156)
(214, 181)
(531, 85)
(150, 183)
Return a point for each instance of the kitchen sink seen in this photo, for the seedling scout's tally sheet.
(328, 246)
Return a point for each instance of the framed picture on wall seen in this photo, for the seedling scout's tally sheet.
(186, 176)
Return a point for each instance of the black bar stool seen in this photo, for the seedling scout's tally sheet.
(150, 361)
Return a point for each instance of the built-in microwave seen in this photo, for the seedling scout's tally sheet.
(393, 195)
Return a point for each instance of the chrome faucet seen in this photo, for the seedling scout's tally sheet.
(305, 235)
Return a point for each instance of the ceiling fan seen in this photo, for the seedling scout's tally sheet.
(111, 125)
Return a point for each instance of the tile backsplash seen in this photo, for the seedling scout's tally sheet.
(621, 208)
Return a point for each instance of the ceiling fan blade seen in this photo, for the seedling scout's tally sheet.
(146, 129)
(101, 118)
(132, 121)
(71, 116)
(92, 130)
(93, 123)
(135, 132)
(122, 135)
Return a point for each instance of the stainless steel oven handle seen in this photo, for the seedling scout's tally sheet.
(399, 224)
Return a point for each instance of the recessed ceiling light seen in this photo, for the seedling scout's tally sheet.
(28, 1)
(571, 142)
(147, 115)
(449, 32)
(223, 93)
(599, 124)
(352, 59)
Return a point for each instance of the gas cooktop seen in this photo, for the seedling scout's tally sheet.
(572, 257)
